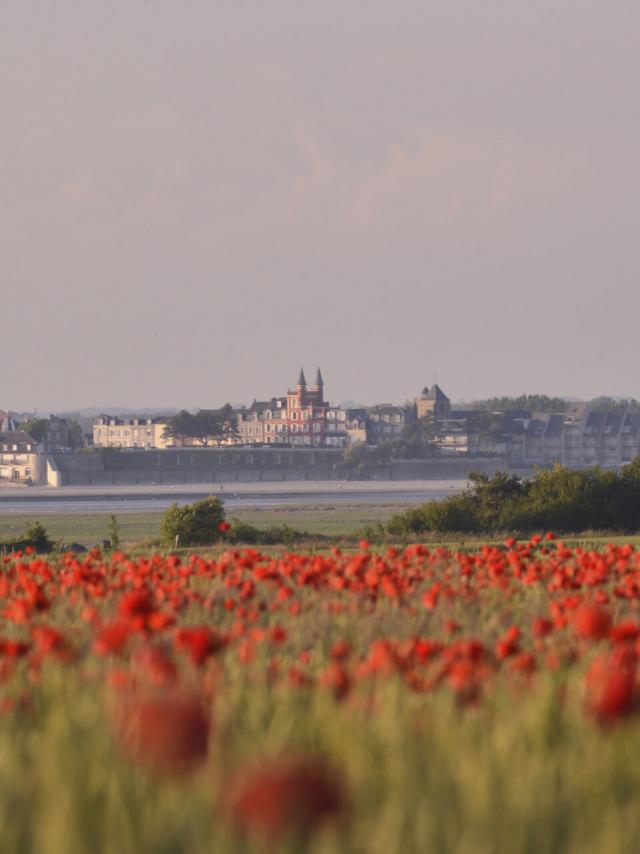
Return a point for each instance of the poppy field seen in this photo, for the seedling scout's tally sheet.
(373, 701)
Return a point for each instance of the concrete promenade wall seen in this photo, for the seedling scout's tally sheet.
(195, 466)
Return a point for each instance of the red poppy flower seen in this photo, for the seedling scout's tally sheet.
(167, 734)
(611, 692)
(285, 798)
(591, 622)
(337, 680)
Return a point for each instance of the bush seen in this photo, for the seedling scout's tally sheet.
(560, 499)
(114, 532)
(195, 524)
(35, 536)
(274, 535)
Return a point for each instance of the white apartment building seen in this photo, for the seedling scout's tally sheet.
(143, 433)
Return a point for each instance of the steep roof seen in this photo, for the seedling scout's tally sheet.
(614, 422)
(538, 424)
(301, 379)
(16, 437)
(436, 393)
(595, 422)
(631, 425)
(7, 423)
(319, 380)
(260, 406)
(555, 426)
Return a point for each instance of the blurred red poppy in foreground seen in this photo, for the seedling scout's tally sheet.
(288, 797)
(591, 622)
(610, 690)
(165, 733)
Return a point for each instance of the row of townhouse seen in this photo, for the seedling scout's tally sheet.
(578, 438)
(304, 418)
(301, 418)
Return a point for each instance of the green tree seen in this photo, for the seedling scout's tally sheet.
(526, 402)
(179, 426)
(114, 532)
(205, 426)
(36, 428)
(36, 536)
(196, 524)
(558, 499)
(418, 440)
(76, 439)
(610, 404)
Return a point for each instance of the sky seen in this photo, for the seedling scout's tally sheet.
(197, 197)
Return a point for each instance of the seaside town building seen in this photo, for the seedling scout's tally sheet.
(19, 457)
(144, 433)
(302, 418)
(578, 438)
(433, 401)
(386, 421)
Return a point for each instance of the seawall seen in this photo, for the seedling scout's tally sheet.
(229, 465)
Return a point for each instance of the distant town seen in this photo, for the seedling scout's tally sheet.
(516, 433)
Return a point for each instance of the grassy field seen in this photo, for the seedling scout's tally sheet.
(337, 521)
(341, 520)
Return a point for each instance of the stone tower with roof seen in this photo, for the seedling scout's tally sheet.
(433, 401)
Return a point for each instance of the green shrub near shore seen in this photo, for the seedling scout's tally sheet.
(558, 499)
(35, 537)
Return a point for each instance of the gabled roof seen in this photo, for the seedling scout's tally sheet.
(631, 425)
(436, 393)
(614, 422)
(555, 426)
(16, 437)
(538, 424)
(594, 423)
(260, 405)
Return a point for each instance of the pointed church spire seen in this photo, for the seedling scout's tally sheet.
(319, 380)
(301, 380)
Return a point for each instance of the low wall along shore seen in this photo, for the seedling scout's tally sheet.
(229, 465)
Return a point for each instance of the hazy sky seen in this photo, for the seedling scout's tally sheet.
(197, 196)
